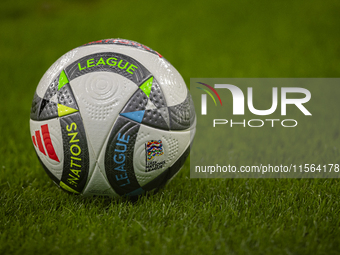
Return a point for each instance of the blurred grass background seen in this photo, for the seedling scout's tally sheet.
(201, 39)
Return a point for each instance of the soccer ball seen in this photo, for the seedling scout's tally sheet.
(113, 118)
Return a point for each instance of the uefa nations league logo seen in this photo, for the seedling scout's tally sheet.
(154, 154)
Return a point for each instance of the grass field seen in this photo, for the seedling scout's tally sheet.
(190, 216)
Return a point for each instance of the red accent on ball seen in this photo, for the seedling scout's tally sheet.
(48, 143)
(40, 145)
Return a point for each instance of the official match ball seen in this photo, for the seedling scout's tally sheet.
(112, 117)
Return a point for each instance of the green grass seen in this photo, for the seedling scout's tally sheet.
(201, 216)
(190, 216)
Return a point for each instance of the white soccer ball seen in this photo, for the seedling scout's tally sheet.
(112, 117)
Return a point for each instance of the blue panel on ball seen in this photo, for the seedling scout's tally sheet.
(136, 116)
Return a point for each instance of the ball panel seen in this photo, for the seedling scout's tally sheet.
(36, 102)
(148, 106)
(76, 153)
(52, 89)
(49, 173)
(66, 97)
(108, 62)
(156, 150)
(158, 118)
(170, 80)
(119, 156)
(100, 97)
(48, 110)
(56, 102)
(137, 102)
(98, 184)
(182, 115)
(168, 174)
(125, 43)
(54, 71)
(156, 95)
